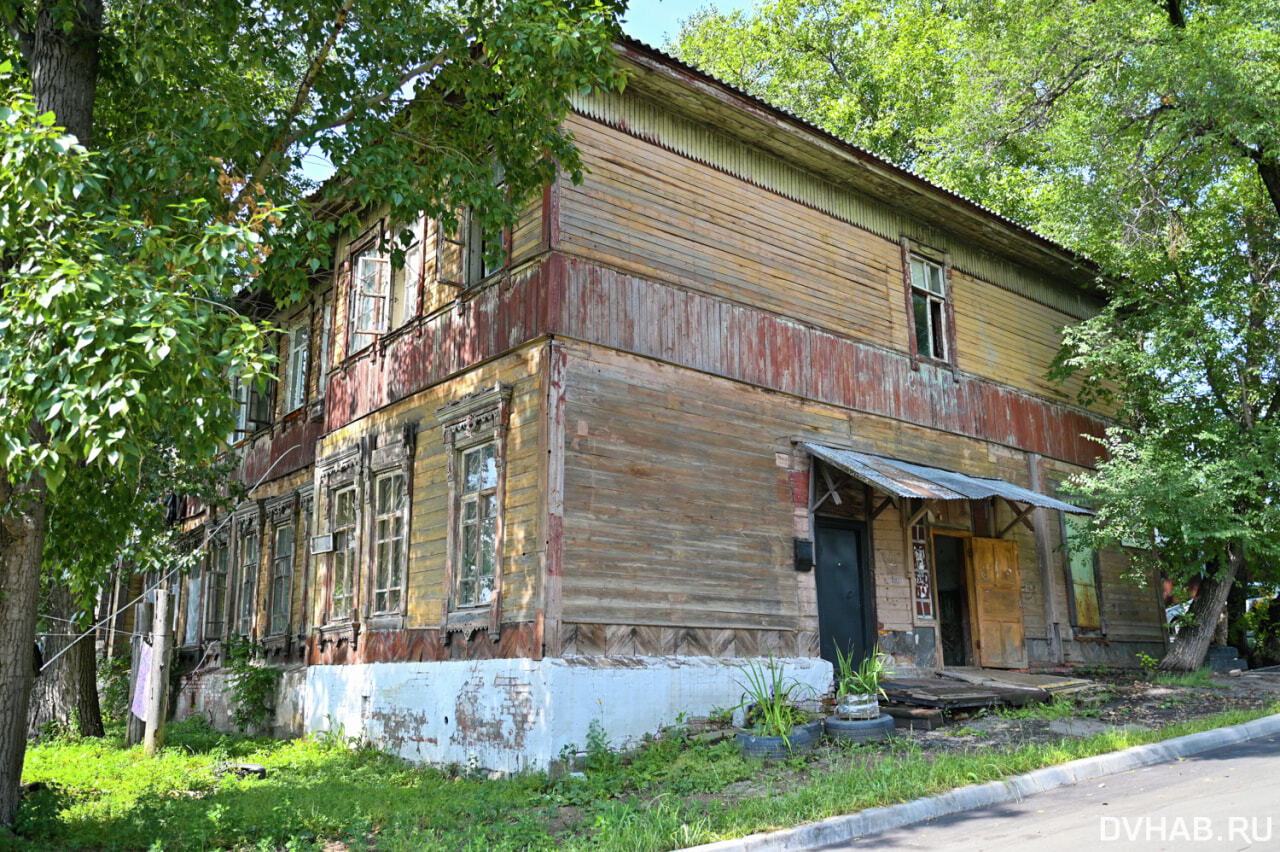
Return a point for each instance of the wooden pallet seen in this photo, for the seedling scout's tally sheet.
(949, 694)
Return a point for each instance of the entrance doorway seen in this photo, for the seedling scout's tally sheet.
(844, 590)
(953, 600)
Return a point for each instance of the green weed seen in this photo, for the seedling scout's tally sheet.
(1202, 678)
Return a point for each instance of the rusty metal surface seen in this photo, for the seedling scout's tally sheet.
(904, 479)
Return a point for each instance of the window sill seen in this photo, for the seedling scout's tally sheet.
(385, 621)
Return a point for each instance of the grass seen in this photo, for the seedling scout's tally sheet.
(1059, 708)
(101, 795)
(1202, 678)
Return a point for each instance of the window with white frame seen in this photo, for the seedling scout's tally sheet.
(343, 556)
(370, 286)
(390, 511)
(477, 526)
(295, 391)
(281, 577)
(215, 618)
(929, 307)
(247, 579)
(385, 276)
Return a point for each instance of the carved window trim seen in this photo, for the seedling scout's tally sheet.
(473, 421)
(337, 473)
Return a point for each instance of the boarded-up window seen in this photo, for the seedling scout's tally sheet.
(1082, 563)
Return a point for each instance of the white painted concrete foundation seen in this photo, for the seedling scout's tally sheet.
(517, 714)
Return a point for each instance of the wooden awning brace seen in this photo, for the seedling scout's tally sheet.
(899, 479)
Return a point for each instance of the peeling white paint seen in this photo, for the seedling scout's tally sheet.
(516, 714)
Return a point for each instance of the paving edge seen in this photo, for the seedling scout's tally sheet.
(842, 829)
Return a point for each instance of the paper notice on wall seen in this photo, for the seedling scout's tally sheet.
(140, 691)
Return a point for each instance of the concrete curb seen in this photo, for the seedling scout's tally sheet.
(842, 829)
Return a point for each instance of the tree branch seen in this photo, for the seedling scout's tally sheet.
(284, 137)
(1173, 8)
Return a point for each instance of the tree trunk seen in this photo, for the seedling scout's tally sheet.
(64, 66)
(66, 693)
(21, 546)
(1188, 650)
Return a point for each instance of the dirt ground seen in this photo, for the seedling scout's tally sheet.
(1118, 700)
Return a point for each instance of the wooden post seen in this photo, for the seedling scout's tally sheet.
(141, 616)
(158, 680)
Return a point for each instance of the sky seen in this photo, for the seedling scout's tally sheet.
(651, 21)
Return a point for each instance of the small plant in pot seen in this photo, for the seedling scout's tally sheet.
(775, 726)
(858, 694)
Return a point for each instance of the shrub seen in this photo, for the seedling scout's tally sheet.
(253, 684)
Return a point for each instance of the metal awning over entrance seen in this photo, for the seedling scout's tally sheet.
(903, 479)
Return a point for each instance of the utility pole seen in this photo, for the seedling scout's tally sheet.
(158, 679)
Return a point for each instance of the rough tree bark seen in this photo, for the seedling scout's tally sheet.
(1192, 644)
(64, 77)
(21, 545)
(67, 691)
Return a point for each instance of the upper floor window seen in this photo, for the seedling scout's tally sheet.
(385, 274)
(929, 307)
(295, 386)
(253, 406)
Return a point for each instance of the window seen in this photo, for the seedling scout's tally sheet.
(384, 291)
(929, 307)
(1082, 565)
(281, 578)
(344, 553)
(248, 579)
(326, 336)
(475, 429)
(477, 527)
(482, 253)
(369, 295)
(216, 594)
(253, 406)
(295, 387)
(390, 502)
(191, 631)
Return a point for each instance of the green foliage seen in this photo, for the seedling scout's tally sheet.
(254, 684)
(100, 795)
(770, 699)
(1060, 707)
(1201, 678)
(113, 692)
(866, 678)
(1148, 663)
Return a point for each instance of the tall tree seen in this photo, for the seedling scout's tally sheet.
(174, 182)
(1144, 134)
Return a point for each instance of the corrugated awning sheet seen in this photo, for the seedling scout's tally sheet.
(903, 479)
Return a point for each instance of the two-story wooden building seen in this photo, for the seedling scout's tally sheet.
(746, 390)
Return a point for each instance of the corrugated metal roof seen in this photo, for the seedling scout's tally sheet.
(904, 479)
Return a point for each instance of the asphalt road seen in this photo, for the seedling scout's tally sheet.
(1224, 799)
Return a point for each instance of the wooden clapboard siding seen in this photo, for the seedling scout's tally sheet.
(1006, 337)
(428, 523)
(661, 216)
(677, 513)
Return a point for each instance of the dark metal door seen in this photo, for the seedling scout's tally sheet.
(844, 602)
